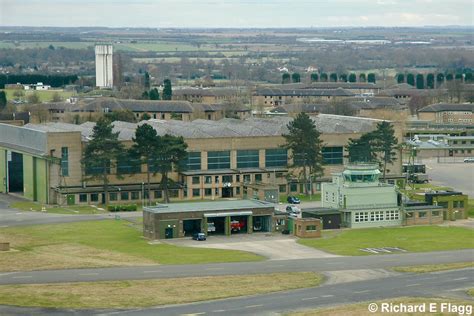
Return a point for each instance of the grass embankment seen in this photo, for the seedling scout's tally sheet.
(302, 197)
(53, 209)
(129, 294)
(435, 267)
(98, 244)
(361, 309)
(413, 239)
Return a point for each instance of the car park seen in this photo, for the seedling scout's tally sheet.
(293, 199)
(199, 236)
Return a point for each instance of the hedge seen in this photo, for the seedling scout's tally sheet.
(122, 208)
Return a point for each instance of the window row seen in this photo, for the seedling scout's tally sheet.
(376, 216)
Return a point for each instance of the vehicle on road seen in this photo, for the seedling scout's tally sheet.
(291, 209)
(469, 159)
(199, 236)
(293, 199)
(418, 178)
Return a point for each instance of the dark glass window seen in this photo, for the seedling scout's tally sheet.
(83, 197)
(94, 197)
(196, 192)
(276, 157)
(218, 160)
(64, 161)
(128, 166)
(124, 196)
(332, 155)
(135, 195)
(247, 159)
(194, 161)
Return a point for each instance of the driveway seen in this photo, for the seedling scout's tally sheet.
(272, 246)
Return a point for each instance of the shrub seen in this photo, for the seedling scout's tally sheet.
(122, 208)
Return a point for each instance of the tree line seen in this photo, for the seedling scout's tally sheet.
(52, 80)
(431, 80)
(329, 77)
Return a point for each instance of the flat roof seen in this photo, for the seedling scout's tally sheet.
(208, 206)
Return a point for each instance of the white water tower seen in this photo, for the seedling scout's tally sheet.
(104, 66)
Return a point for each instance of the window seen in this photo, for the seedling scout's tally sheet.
(237, 191)
(311, 228)
(332, 155)
(128, 166)
(282, 188)
(96, 168)
(258, 177)
(435, 213)
(280, 222)
(208, 179)
(361, 217)
(237, 178)
(173, 193)
(392, 215)
(196, 180)
(64, 161)
(208, 192)
(83, 198)
(376, 216)
(458, 204)
(113, 196)
(216, 179)
(247, 159)
(158, 194)
(124, 196)
(293, 187)
(246, 178)
(276, 157)
(194, 161)
(421, 214)
(94, 197)
(196, 192)
(135, 195)
(226, 179)
(334, 197)
(218, 160)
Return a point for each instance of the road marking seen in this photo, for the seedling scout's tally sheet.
(459, 279)
(253, 306)
(327, 295)
(19, 213)
(155, 271)
(358, 292)
(192, 314)
(459, 289)
(309, 298)
(214, 269)
(416, 284)
(22, 277)
(219, 311)
(88, 274)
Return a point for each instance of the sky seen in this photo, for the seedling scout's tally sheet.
(236, 13)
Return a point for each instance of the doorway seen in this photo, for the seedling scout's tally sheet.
(169, 233)
(15, 172)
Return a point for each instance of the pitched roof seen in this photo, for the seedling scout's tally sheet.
(304, 92)
(440, 107)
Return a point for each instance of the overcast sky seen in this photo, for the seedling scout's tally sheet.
(235, 13)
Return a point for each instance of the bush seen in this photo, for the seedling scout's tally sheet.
(122, 208)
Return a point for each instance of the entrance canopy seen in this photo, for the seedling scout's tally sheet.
(244, 213)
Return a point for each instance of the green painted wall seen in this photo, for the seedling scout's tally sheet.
(3, 171)
(41, 180)
(28, 177)
(163, 224)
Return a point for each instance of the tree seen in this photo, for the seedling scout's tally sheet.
(144, 148)
(439, 79)
(343, 78)
(371, 78)
(385, 144)
(295, 77)
(167, 91)
(146, 80)
(285, 78)
(324, 77)
(333, 77)
(361, 150)
(33, 98)
(56, 97)
(303, 140)
(420, 81)
(145, 95)
(400, 78)
(154, 94)
(454, 90)
(417, 102)
(352, 77)
(411, 79)
(145, 117)
(171, 152)
(362, 77)
(449, 77)
(3, 100)
(430, 81)
(314, 77)
(121, 115)
(101, 154)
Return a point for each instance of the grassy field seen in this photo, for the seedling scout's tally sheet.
(44, 96)
(434, 267)
(413, 239)
(129, 294)
(69, 209)
(98, 244)
(361, 309)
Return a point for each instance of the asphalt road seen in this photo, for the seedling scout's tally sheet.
(459, 176)
(172, 271)
(447, 284)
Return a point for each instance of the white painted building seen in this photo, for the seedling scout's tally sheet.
(104, 66)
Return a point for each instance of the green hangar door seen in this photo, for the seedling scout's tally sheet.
(15, 172)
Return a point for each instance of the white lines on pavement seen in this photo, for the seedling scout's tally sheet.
(154, 271)
(459, 279)
(416, 284)
(22, 277)
(214, 269)
(192, 314)
(327, 295)
(253, 306)
(88, 274)
(459, 289)
(309, 298)
(219, 311)
(364, 291)
(19, 213)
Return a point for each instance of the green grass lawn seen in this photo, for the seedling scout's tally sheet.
(67, 209)
(44, 96)
(413, 239)
(115, 237)
(302, 197)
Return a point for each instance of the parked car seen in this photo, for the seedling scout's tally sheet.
(468, 160)
(199, 236)
(291, 209)
(293, 199)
